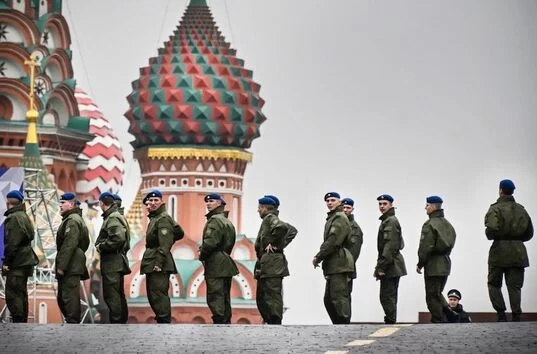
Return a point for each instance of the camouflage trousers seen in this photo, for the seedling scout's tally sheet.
(114, 297)
(514, 279)
(17, 297)
(270, 300)
(68, 297)
(337, 298)
(436, 302)
(157, 287)
(388, 298)
(219, 299)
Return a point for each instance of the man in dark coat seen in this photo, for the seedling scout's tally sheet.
(72, 241)
(456, 313)
(291, 230)
(112, 245)
(19, 257)
(218, 241)
(509, 226)
(338, 263)
(390, 262)
(157, 262)
(436, 242)
(271, 265)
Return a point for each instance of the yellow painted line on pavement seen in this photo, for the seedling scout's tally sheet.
(403, 325)
(336, 352)
(359, 342)
(384, 332)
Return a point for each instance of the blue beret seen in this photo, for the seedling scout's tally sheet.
(214, 196)
(507, 184)
(68, 196)
(347, 201)
(267, 201)
(117, 197)
(386, 197)
(15, 194)
(273, 197)
(154, 194)
(331, 195)
(434, 199)
(105, 195)
(146, 198)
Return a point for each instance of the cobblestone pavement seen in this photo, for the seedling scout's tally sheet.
(359, 338)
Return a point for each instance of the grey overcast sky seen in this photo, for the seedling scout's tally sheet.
(410, 98)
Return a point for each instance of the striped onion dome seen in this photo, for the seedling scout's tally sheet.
(196, 91)
(106, 162)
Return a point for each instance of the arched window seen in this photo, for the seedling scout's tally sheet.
(172, 206)
(43, 313)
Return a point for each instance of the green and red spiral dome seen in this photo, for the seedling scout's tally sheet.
(196, 92)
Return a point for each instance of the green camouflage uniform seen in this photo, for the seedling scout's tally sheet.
(113, 243)
(338, 265)
(158, 243)
(390, 262)
(509, 226)
(218, 241)
(354, 245)
(271, 267)
(72, 241)
(20, 258)
(436, 242)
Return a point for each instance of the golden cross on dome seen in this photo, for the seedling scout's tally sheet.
(32, 114)
(32, 63)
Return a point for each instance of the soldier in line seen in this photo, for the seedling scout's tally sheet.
(390, 262)
(436, 242)
(19, 257)
(218, 241)
(459, 315)
(271, 265)
(509, 226)
(291, 230)
(112, 245)
(338, 263)
(72, 241)
(118, 201)
(356, 239)
(157, 262)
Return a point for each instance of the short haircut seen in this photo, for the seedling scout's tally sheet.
(508, 191)
(108, 200)
(14, 202)
(270, 207)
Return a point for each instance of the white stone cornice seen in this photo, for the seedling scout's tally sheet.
(193, 173)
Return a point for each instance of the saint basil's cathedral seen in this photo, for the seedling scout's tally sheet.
(194, 111)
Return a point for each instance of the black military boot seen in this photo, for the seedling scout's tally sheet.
(516, 317)
(502, 317)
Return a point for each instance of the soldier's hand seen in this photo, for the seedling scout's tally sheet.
(157, 269)
(5, 269)
(269, 248)
(418, 269)
(315, 262)
(60, 272)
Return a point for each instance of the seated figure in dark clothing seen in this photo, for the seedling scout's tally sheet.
(455, 313)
